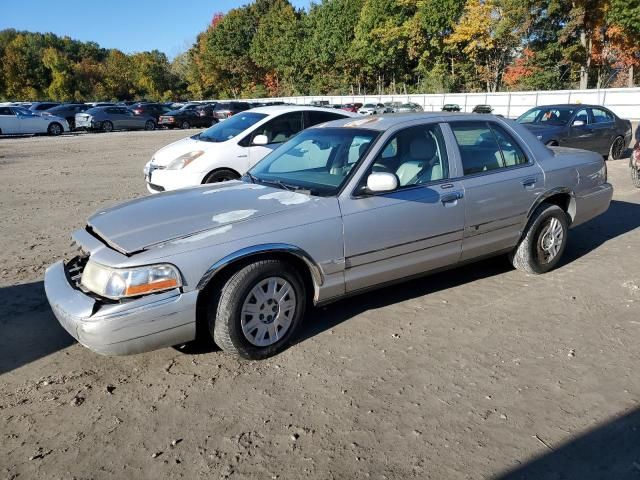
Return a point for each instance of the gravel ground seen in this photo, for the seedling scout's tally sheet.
(480, 372)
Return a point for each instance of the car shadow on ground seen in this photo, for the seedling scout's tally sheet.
(609, 451)
(29, 330)
(621, 218)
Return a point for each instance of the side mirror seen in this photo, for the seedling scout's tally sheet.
(380, 182)
(577, 123)
(260, 140)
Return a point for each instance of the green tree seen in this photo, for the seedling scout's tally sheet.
(379, 49)
(276, 46)
(330, 28)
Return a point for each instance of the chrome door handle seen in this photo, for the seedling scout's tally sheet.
(528, 182)
(242, 156)
(451, 197)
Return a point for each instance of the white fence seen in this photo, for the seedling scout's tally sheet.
(625, 102)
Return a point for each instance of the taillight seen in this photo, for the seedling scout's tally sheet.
(137, 111)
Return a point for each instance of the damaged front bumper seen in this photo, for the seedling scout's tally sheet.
(135, 326)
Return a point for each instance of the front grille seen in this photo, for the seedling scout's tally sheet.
(74, 269)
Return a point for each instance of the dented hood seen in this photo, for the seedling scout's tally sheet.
(138, 224)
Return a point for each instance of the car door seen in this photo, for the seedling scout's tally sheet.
(9, 122)
(413, 229)
(131, 120)
(581, 134)
(31, 123)
(604, 130)
(115, 116)
(501, 183)
(277, 130)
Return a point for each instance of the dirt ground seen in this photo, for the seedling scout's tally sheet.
(480, 372)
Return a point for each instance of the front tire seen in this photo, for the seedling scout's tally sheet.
(258, 310)
(55, 129)
(617, 148)
(107, 126)
(185, 125)
(223, 175)
(149, 125)
(543, 242)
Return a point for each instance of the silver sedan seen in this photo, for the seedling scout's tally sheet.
(341, 208)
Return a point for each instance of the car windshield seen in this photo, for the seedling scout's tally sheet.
(316, 161)
(547, 116)
(230, 128)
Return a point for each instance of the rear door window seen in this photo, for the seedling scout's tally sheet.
(316, 118)
(485, 147)
(601, 116)
(512, 154)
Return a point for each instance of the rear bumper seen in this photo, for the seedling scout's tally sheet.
(141, 325)
(594, 203)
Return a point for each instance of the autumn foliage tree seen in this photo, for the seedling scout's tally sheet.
(271, 48)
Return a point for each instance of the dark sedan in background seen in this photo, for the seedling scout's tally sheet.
(112, 118)
(68, 112)
(187, 116)
(590, 127)
(155, 110)
(227, 109)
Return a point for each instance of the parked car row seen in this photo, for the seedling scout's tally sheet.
(590, 127)
(337, 209)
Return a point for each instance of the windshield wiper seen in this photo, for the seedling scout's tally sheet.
(279, 183)
(252, 177)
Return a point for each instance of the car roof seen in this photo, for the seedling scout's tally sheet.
(574, 105)
(384, 122)
(277, 109)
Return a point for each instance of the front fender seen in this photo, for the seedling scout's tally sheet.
(265, 248)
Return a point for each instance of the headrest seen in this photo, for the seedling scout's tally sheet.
(422, 148)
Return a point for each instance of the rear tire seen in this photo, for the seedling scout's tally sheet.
(544, 241)
(107, 126)
(223, 175)
(185, 125)
(617, 148)
(149, 125)
(258, 310)
(55, 129)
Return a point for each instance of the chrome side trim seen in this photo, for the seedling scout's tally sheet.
(316, 272)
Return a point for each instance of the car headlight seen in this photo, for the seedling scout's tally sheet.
(184, 160)
(116, 283)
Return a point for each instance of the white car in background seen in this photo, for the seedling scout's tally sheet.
(372, 109)
(16, 120)
(228, 149)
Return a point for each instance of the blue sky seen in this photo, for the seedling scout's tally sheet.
(170, 26)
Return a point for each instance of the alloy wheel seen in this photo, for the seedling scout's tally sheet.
(550, 240)
(267, 311)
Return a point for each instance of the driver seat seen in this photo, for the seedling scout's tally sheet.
(417, 167)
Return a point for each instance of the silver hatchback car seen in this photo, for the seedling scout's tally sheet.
(344, 207)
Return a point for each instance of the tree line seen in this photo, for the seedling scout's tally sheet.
(270, 48)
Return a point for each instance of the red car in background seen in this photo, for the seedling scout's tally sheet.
(352, 107)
